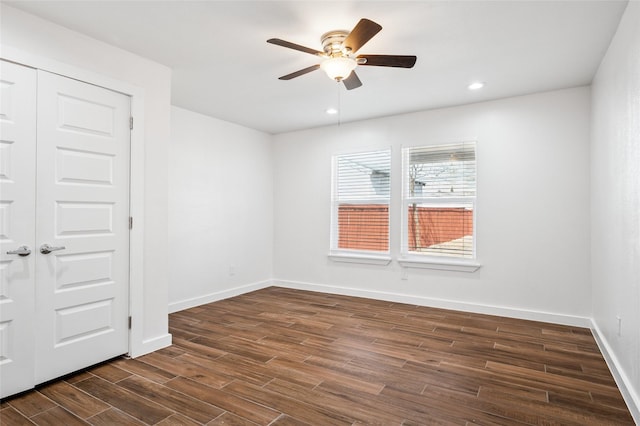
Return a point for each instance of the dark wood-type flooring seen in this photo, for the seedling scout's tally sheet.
(287, 357)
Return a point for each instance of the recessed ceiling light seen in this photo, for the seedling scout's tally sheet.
(331, 111)
(476, 85)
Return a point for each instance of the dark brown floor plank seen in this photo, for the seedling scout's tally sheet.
(179, 420)
(285, 420)
(184, 368)
(131, 403)
(258, 413)
(228, 419)
(110, 372)
(243, 369)
(113, 416)
(340, 403)
(57, 416)
(32, 403)
(171, 399)
(9, 416)
(74, 399)
(289, 405)
(144, 370)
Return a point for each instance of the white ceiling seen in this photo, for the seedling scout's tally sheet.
(223, 67)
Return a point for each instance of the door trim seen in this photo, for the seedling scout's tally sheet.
(137, 344)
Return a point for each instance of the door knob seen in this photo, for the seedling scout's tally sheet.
(46, 248)
(21, 251)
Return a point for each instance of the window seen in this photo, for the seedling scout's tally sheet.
(439, 196)
(360, 202)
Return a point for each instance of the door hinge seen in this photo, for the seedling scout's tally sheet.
(130, 123)
(130, 222)
(129, 323)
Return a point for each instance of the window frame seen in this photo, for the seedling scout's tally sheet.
(374, 257)
(412, 259)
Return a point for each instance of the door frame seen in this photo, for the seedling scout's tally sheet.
(137, 345)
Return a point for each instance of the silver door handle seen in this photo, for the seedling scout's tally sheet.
(21, 251)
(46, 248)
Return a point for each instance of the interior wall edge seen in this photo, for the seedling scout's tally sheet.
(550, 317)
(151, 345)
(219, 295)
(617, 371)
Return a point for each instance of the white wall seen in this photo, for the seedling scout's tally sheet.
(615, 203)
(532, 207)
(220, 209)
(38, 38)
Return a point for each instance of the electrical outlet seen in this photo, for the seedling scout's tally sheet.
(404, 274)
(619, 318)
(232, 270)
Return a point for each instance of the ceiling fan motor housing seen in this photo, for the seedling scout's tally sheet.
(332, 43)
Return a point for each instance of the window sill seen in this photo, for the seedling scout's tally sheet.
(369, 259)
(440, 264)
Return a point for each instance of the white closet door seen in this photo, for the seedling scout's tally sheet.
(82, 286)
(17, 218)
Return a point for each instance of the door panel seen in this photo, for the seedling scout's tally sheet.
(83, 204)
(17, 219)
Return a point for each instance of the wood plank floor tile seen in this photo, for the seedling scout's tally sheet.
(110, 372)
(74, 399)
(10, 416)
(228, 419)
(179, 420)
(57, 416)
(188, 406)
(285, 420)
(113, 416)
(142, 369)
(340, 403)
(131, 403)
(32, 403)
(78, 376)
(611, 398)
(189, 346)
(289, 404)
(238, 346)
(500, 392)
(255, 412)
(184, 368)
(240, 368)
(171, 351)
(424, 411)
(284, 357)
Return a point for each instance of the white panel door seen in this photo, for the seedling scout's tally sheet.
(82, 285)
(17, 218)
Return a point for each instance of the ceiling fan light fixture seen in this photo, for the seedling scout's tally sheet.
(339, 49)
(338, 68)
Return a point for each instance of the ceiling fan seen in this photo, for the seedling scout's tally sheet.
(339, 49)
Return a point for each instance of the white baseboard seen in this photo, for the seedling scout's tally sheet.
(622, 380)
(554, 318)
(214, 297)
(151, 345)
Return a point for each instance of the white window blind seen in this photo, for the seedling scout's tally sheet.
(360, 201)
(439, 196)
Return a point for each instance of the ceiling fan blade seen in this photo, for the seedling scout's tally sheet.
(300, 72)
(352, 82)
(399, 61)
(364, 30)
(294, 46)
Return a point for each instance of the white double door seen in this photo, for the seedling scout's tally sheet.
(64, 182)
